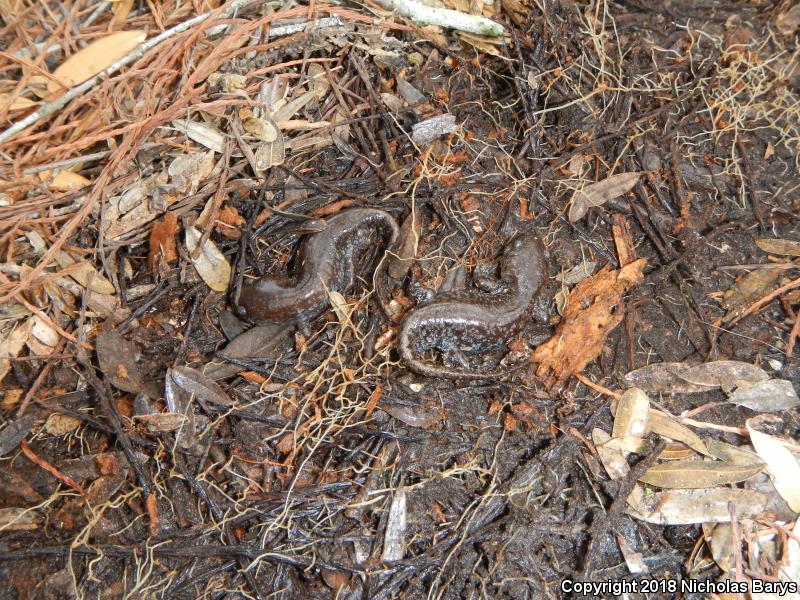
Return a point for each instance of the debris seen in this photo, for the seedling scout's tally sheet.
(426, 132)
(597, 194)
(94, 58)
(595, 308)
(783, 466)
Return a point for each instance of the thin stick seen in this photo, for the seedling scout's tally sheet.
(766, 299)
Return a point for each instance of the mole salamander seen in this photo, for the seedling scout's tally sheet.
(329, 260)
(472, 320)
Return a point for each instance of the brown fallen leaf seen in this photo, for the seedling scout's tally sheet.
(667, 427)
(117, 358)
(95, 57)
(202, 386)
(726, 374)
(773, 395)
(779, 246)
(228, 222)
(783, 466)
(631, 415)
(693, 474)
(597, 194)
(64, 181)
(18, 103)
(163, 248)
(594, 309)
(788, 21)
(612, 459)
(690, 507)
(747, 290)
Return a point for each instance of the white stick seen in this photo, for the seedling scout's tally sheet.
(443, 17)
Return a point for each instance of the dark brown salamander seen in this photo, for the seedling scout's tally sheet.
(329, 260)
(471, 320)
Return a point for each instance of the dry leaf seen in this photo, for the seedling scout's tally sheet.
(205, 134)
(59, 425)
(726, 374)
(228, 222)
(577, 273)
(597, 194)
(11, 345)
(595, 308)
(340, 307)
(783, 466)
(747, 290)
(612, 458)
(782, 247)
(693, 474)
(19, 519)
(733, 454)
(270, 154)
(188, 171)
(42, 331)
(667, 427)
(161, 422)
(201, 385)
(162, 241)
(773, 395)
(95, 57)
(664, 377)
(211, 264)
(690, 507)
(788, 21)
(85, 274)
(631, 416)
(64, 181)
(18, 103)
(401, 259)
(264, 129)
(117, 358)
(318, 81)
(719, 538)
(633, 560)
(290, 109)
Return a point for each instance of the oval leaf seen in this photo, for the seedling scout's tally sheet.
(692, 474)
(597, 194)
(666, 427)
(690, 507)
(766, 396)
(95, 57)
(782, 247)
(664, 377)
(783, 466)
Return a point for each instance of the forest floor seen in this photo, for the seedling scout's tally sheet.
(156, 443)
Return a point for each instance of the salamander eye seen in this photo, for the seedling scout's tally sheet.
(241, 311)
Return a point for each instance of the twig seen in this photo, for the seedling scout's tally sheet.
(443, 17)
(26, 450)
(766, 299)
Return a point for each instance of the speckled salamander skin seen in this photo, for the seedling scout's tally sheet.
(327, 262)
(473, 319)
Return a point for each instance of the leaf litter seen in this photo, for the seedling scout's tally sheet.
(253, 117)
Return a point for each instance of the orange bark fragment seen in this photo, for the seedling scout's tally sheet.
(594, 309)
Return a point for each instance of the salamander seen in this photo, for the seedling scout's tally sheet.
(472, 320)
(329, 260)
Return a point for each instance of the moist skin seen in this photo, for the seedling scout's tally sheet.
(473, 321)
(328, 261)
